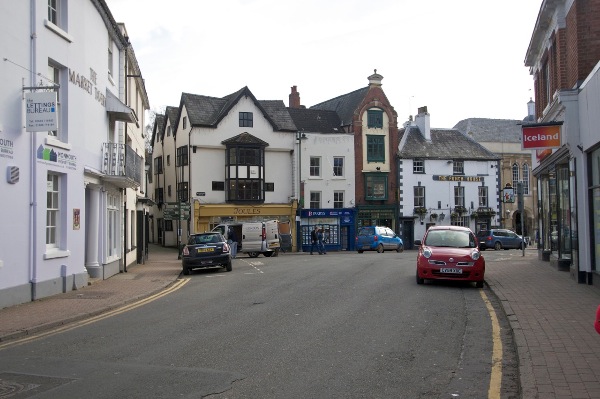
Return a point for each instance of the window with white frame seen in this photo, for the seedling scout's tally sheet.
(338, 166)
(53, 11)
(483, 196)
(315, 199)
(54, 75)
(113, 226)
(525, 179)
(459, 196)
(52, 210)
(315, 166)
(338, 199)
(515, 175)
(110, 56)
(458, 167)
(418, 166)
(419, 196)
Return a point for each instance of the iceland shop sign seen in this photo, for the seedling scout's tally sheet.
(541, 136)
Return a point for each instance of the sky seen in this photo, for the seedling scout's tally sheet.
(462, 59)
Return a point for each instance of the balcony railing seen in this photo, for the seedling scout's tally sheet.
(122, 165)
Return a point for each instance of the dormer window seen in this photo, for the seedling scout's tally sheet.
(375, 119)
(246, 119)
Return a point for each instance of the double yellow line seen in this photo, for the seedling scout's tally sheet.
(71, 326)
(496, 375)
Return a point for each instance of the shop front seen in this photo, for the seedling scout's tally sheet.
(558, 210)
(338, 228)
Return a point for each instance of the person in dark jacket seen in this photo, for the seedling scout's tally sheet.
(314, 241)
(321, 240)
(233, 241)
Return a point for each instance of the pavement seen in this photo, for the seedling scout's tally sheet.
(551, 316)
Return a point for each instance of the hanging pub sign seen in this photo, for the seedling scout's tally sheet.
(40, 109)
(540, 136)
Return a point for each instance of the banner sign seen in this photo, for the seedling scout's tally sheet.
(541, 136)
(41, 110)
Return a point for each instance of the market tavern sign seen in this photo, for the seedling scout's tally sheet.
(458, 178)
(88, 85)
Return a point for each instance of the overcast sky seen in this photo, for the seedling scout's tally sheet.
(461, 59)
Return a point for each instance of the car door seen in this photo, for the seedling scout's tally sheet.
(513, 240)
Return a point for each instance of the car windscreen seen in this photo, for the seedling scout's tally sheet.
(366, 231)
(449, 238)
(204, 239)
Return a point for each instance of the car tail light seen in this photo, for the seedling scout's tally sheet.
(225, 247)
(186, 251)
(488, 238)
(375, 238)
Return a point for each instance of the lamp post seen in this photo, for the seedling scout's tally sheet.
(299, 138)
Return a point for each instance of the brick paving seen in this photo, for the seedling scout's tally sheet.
(551, 316)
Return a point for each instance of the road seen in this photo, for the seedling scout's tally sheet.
(341, 325)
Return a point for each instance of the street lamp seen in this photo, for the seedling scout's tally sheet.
(299, 138)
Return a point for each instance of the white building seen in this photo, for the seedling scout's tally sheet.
(64, 188)
(446, 178)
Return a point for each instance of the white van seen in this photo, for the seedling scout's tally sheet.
(254, 238)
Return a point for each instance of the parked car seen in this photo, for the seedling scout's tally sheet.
(378, 238)
(500, 239)
(206, 250)
(450, 253)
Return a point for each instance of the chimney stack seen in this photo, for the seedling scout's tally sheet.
(422, 122)
(531, 110)
(294, 98)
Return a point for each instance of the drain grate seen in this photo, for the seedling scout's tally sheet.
(21, 386)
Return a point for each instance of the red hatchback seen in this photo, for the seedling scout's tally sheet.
(450, 253)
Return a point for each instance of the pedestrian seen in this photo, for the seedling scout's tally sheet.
(233, 242)
(597, 323)
(321, 246)
(314, 240)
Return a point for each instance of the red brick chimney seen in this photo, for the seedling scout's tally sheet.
(294, 98)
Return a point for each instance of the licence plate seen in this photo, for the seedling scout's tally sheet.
(206, 250)
(450, 270)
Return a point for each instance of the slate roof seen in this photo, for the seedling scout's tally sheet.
(245, 138)
(209, 111)
(344, 105)
(158, 128)
(444, 144)
(316, 120)
(172, 115)
(491, 130)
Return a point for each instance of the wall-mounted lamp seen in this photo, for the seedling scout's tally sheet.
(194, 149)
(378, 169)
(449, 162)
(442, 216)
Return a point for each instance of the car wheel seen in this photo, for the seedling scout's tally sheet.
(360, 251)
(380, 248)
(268, 254)
(498, 246)
(186, 271)
(479, 284)
(228, 266)
(420, 280)
(253, 254)
(400, 248)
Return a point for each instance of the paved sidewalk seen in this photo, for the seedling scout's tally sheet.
(551, 316)
(141, 281)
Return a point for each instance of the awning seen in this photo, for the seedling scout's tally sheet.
(118, 110)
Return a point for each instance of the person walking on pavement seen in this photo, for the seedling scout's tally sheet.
(232, 240)
(314, 240)
(321, 246)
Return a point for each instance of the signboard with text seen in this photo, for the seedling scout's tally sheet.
(541, 136)
(40, 109)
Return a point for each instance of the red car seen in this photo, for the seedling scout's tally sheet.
(450, 253)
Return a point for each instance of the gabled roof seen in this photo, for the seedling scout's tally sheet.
(316, 120)
(171, 115)
(485, 130)
(209, 111)
(444, 144)
(158, 128)
(344, 105)
(245, 138)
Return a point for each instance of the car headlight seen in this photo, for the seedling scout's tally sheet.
(475, 254)
(427, 253)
